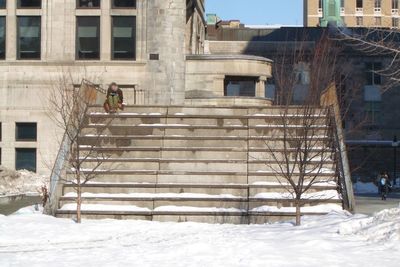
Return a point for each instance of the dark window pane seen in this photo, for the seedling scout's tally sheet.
(88, 3)
(2, 37)
(123, 37)
(240, 86)
(2, 3)
(29, 37)
(29, 3)
(373, 76)
(124, 3)
(25, 159)
(88, 38)
(26, 131)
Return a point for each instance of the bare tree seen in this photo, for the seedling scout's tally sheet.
(376, 42)
(305, 157)
(68, 109)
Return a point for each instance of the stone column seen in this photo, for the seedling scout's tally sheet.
(166, 23)
(260, 86)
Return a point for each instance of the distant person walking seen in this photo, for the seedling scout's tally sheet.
(384, 185)
(114, 99)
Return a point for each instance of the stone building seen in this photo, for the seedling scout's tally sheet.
(152, 49)
(370, 123)
(355, 13)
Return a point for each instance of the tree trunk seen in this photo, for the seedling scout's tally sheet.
(78, 204)
(78, 197)
(298, 212)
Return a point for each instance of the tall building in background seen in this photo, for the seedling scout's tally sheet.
(356, 13)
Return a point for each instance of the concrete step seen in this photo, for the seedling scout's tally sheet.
(127, 119)
(200, 217)
(154, 202)
(236, 165)
(241, 190)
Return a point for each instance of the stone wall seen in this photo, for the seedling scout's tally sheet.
(26, 84)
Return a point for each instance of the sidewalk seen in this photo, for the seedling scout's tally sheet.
(372, 203)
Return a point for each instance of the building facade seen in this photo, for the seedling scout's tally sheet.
(356, 13)
(152, 49)
(371, 103)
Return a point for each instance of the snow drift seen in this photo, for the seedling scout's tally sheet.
(20, 182)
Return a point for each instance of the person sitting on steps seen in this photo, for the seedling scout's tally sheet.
(114, 99)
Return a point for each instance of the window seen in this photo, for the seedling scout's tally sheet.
(270, 90)
(240, 86)
(372, 77)
(2, 37)
(29, 37)
(123, 37)
(342, 3)
(372, 102)
(359, 4)
(88, 38)
(378, 3)
(25, 159)
(1, 131)
(88, 3)
(395, 4)
(395, 22)
(123, 3)
(26, 131)
(373, 113)
(2, 4)
(359, 21)
(29, 3)
(378, 21)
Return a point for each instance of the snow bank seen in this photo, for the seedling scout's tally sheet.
(383, 226)
(20, 182)
(365, 188)
(39, 240)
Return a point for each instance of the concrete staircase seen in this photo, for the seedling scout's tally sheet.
(191, 164)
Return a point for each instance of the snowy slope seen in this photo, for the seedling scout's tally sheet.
(337, 239)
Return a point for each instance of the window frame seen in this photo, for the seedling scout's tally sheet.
(17, 139)
(117, 7)
(18, 39)
(395, 22)
(33, 7)
(378, 21)
(395, 4)
(77, 39)
(373, 78)
(94, 7)
(5, 37)
(17, 149)
(359, 21)
(134, 39)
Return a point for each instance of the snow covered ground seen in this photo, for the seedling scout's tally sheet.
(337, 239)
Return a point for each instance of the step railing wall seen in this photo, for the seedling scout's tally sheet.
(89, 94)
(330, 100)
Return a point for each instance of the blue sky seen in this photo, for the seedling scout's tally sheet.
(258, 11)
